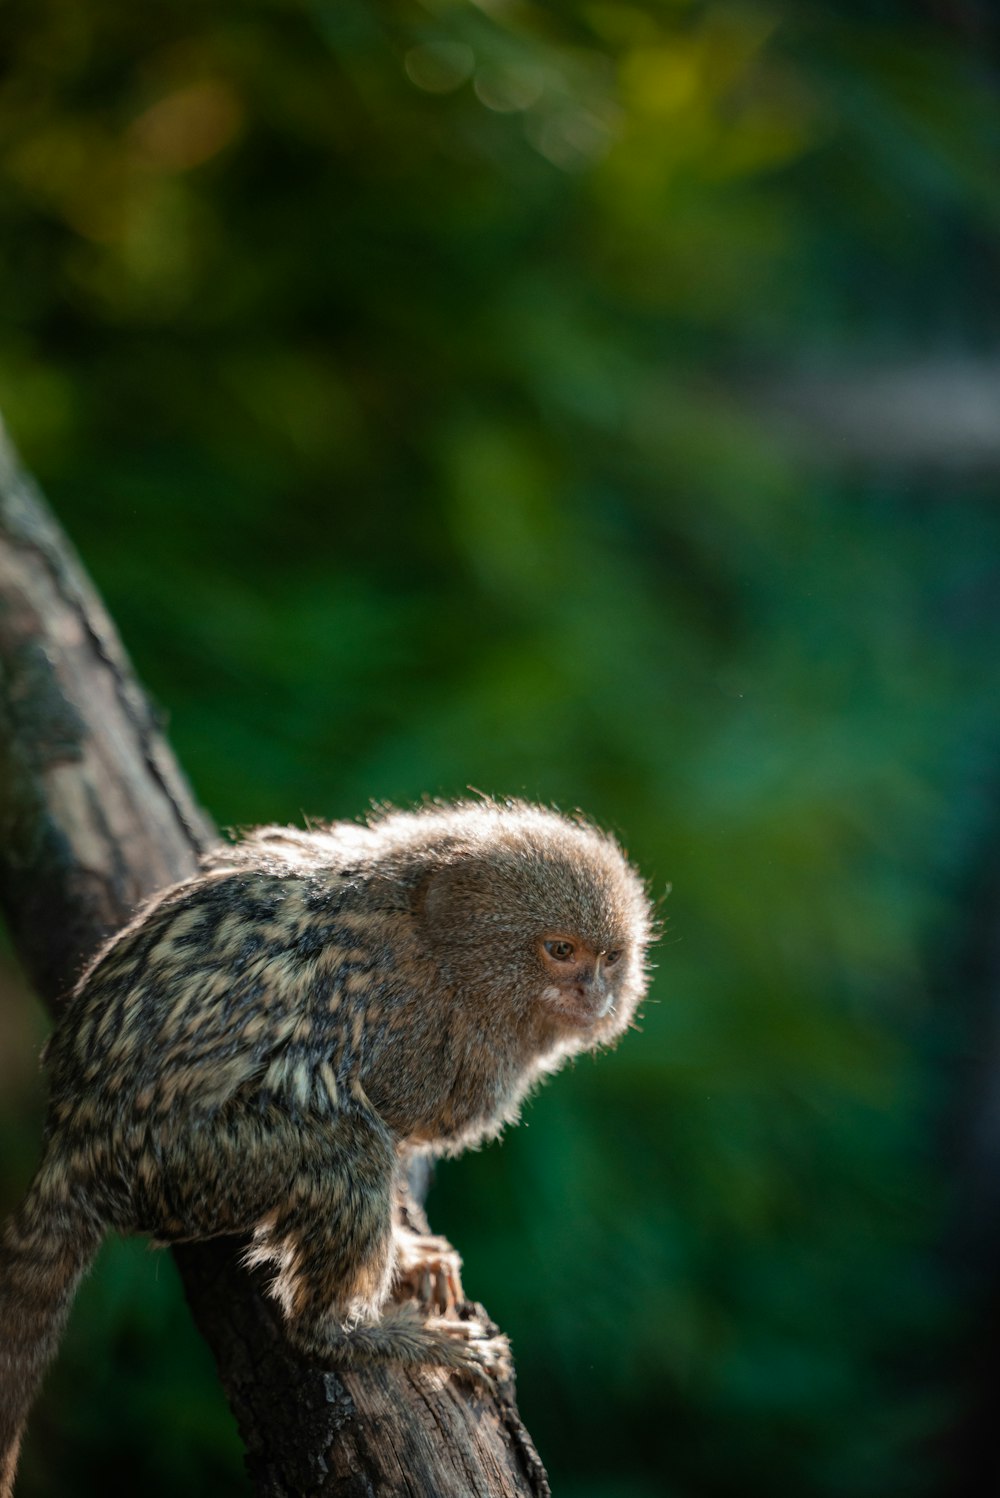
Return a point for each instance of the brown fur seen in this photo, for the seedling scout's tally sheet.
(257, 1051)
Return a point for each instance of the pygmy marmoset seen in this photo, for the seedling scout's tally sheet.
(261, 1047)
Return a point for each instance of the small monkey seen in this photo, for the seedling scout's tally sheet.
(258, 1051)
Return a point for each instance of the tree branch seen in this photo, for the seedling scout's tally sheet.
(95, 816)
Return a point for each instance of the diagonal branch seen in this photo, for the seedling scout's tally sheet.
(95, 816)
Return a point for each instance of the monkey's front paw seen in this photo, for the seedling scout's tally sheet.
(428, 1270)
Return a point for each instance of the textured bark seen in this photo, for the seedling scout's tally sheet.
(94, 817)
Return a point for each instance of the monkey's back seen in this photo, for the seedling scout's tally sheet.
(240, 979)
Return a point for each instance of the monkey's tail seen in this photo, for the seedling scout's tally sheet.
(45, 1249)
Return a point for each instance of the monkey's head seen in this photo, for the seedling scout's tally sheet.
(538, 921)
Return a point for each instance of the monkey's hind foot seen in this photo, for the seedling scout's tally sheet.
(403, 1335)
(483, 1351)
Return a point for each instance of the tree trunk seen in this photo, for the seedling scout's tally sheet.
(95, 817)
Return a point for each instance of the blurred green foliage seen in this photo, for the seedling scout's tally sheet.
(390, 363)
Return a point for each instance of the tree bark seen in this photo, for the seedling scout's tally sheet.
(95, 816)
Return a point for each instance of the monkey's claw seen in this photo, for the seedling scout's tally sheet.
(480, 1351)
(490, 1361)
(428, 1270)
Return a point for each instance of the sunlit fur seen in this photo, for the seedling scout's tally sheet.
(257, 1051)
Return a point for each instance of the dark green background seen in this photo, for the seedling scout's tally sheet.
(422, 385)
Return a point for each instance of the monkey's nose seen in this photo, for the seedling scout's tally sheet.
(591, 990)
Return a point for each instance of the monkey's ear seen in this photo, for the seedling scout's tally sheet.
(434, 898)
(445, 899)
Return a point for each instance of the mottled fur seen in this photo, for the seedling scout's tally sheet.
(258, 1049)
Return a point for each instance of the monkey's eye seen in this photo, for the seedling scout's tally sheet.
(562, 951)
(610, 958)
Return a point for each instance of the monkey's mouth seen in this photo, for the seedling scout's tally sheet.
(580, 1007)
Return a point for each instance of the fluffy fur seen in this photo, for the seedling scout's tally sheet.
(259, 1048)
